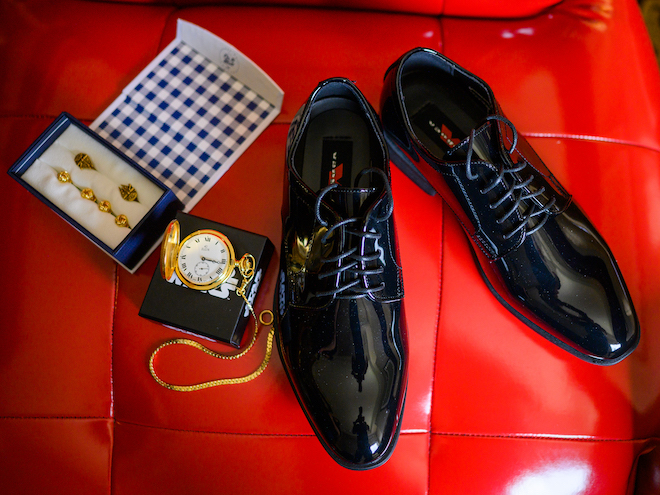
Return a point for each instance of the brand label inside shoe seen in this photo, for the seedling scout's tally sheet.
(337, 160)
(436, 126)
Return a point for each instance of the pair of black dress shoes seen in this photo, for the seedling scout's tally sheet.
(340, 326)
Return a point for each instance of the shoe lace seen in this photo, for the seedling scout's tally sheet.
(351, 266)
(517, 190)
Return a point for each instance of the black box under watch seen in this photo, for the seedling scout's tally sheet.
(198, 293)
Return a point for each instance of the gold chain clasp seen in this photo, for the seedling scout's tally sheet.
(246, 266)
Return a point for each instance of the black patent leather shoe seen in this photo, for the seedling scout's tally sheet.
(536, 249)
(339, 325)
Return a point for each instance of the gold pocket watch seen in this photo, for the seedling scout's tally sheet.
(203, 260)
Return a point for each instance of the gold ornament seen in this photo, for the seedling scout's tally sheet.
(64, 176)
(84, 161)
(122, 221)
(88, 193)
(105, 206)
(128, 192)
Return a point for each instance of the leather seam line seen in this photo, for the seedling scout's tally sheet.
(32, 418)
(206, 432)
(242, 434)
(551, 135)
(435, 344)
(28, 116)
(588, 138)
(111, 457)
(512, 436)
(532, 436)
(112, 342)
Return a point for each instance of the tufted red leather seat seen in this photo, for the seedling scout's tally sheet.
(492, 408)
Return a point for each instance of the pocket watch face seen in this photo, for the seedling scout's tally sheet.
(205, 259)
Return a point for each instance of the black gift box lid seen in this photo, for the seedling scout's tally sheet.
(220, 314)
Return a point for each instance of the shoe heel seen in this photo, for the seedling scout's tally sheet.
(403, 163)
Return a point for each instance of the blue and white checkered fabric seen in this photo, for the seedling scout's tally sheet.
(184, 120)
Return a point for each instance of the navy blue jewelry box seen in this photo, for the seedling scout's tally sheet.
(40, 171)
(219, 314)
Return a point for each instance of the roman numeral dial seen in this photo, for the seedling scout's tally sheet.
(205, 259)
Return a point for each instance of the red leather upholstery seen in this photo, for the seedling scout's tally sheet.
(492, 408)
(474, 8)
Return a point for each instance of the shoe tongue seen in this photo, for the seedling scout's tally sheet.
(351, 202)
(485, 144)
